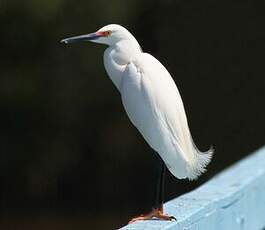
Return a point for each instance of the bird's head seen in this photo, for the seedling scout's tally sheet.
(108, 35)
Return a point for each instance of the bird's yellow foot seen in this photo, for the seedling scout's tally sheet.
(156, 214)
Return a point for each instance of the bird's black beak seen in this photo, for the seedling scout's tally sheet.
(81, 38)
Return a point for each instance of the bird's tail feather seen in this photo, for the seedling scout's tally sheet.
(201, 160)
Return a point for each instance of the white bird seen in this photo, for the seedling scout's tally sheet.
(153, 104)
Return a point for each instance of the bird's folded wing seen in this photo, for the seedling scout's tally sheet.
(153, 103)
(158, 105)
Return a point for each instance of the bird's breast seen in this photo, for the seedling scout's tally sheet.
(113, 66)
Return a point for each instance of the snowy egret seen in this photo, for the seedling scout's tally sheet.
(153, 103)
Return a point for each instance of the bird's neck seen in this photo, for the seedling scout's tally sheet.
(117, 57)
(125, 51)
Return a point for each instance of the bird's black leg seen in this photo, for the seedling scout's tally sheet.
(159, 194)
(160, 188)
(157, 212)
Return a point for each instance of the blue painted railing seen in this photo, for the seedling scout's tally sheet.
(232, 200)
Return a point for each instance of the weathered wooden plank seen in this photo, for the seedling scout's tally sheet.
(234, 199)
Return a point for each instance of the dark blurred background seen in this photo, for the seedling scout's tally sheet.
(69, 157)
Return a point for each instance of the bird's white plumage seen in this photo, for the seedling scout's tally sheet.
(153, 103)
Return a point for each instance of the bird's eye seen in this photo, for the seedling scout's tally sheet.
(107, 33)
